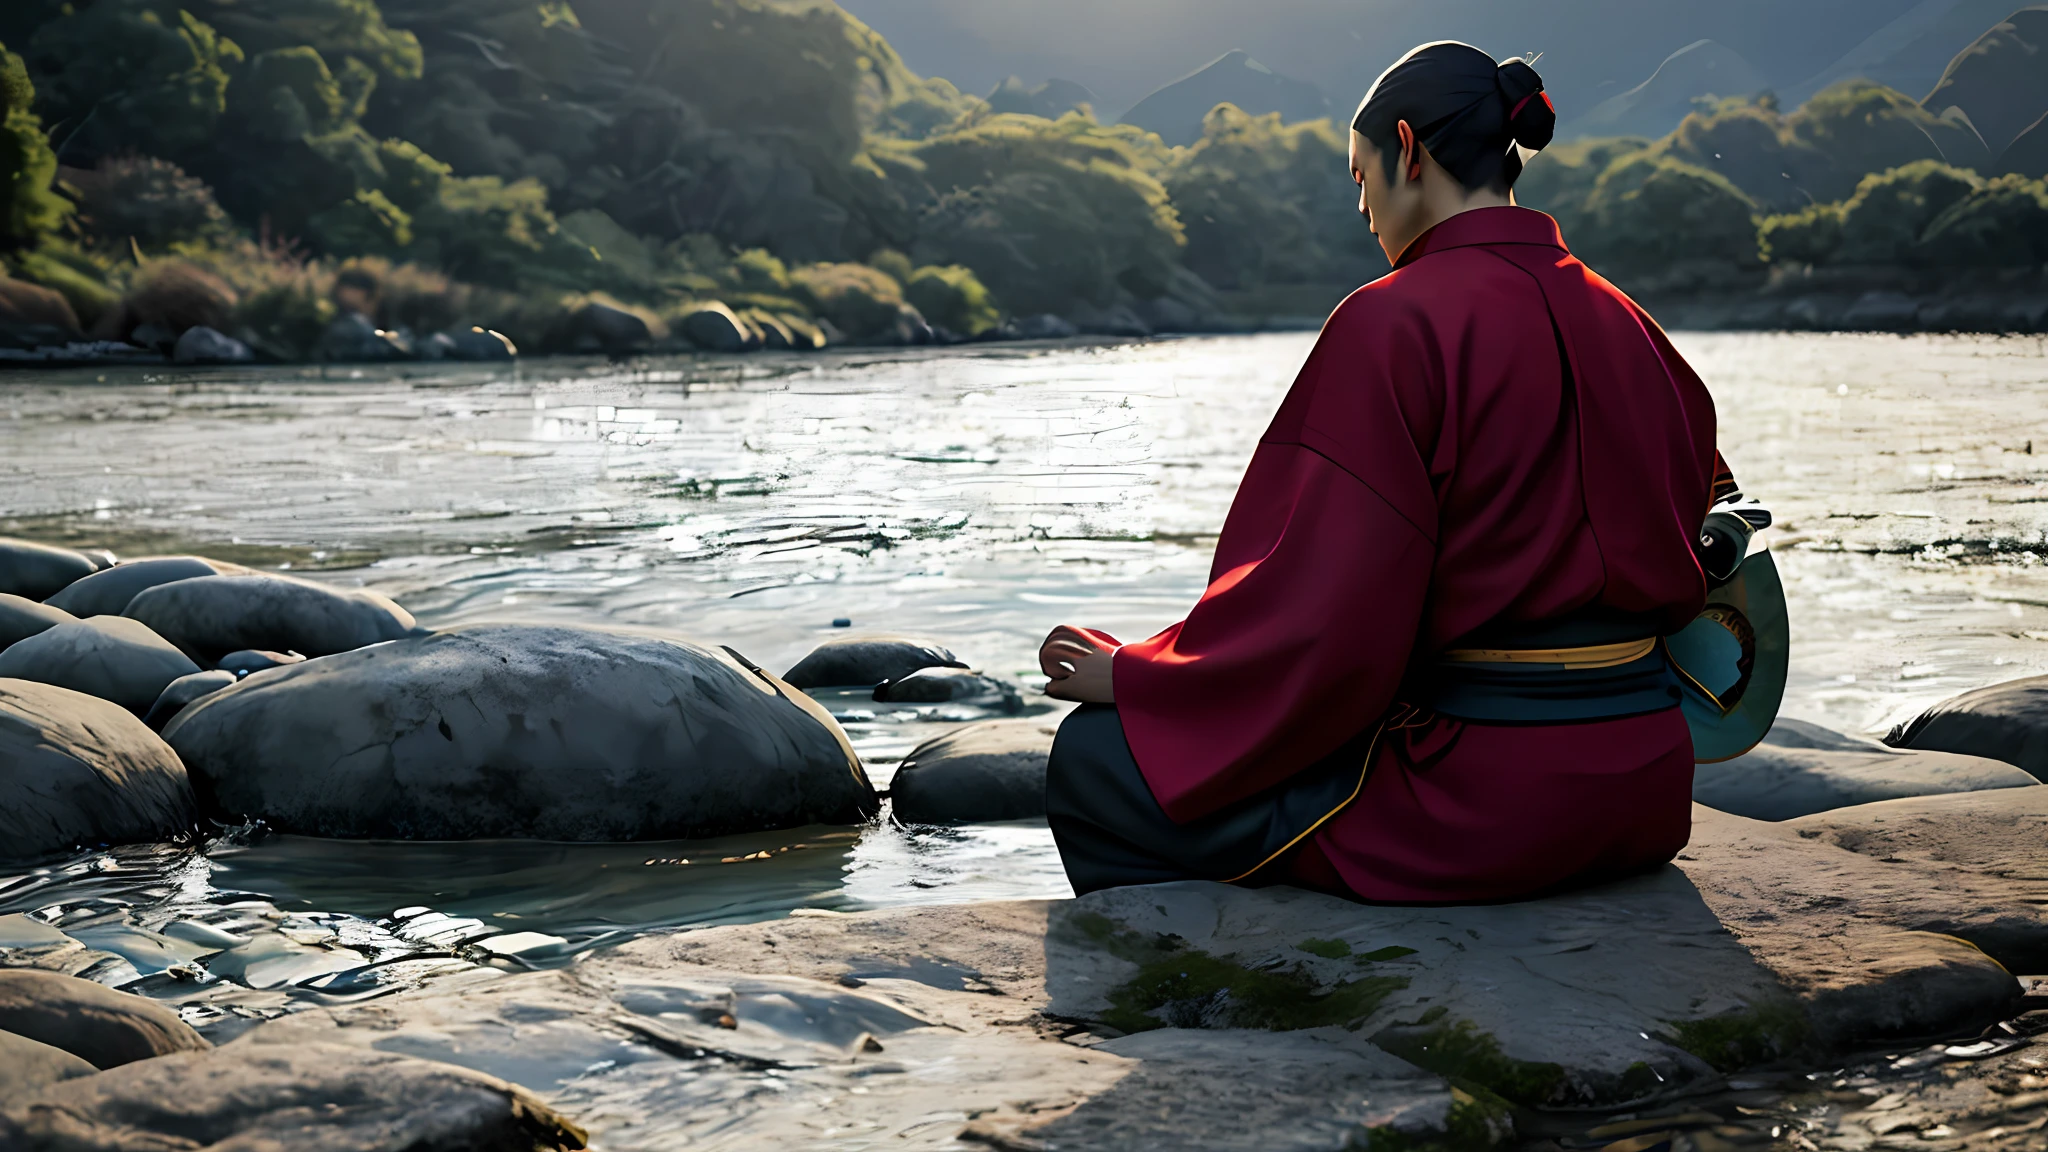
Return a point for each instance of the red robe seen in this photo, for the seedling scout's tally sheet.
(1428, 473)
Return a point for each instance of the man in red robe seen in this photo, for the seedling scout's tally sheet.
(1425, 668)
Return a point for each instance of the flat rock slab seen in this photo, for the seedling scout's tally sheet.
(98, 1025)
(21, 618)
(864, 661)
(77, 770)
(1801, 769)
(107, 593)
(111, 657)
(994, 770)
(310, 1098)
(211, 616)
(507, 730)
(2006, 722)
(39, 571)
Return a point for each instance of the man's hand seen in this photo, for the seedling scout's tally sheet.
(1077, 661)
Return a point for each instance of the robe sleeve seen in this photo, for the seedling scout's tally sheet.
(1304, 634)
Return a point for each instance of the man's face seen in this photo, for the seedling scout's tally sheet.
(1375, 191)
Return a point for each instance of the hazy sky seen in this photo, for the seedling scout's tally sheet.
(1123, 49)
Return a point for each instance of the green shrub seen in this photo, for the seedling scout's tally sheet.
(1883, 222)
(1747, 142)
(1809, 236)
(1861, 127)
(83, 285)
(953, 299)
(1649, 213)
(860, 301)
(1560, 180)
(131, 78)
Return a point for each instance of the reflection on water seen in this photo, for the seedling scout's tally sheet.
(975, 496)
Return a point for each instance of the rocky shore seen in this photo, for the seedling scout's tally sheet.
(1847, 955)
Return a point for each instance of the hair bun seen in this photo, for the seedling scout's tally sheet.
(1531, 118)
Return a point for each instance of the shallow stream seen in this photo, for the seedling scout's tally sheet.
(977, 497)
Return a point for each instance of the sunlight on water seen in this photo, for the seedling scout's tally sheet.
(977, 497)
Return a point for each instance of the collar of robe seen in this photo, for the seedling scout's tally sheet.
(1505, 224)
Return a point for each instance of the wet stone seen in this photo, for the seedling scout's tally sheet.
(1802, 768)
(113, 658)
(28, 1065)
(508, 730)
(945, 685)
(249, 660)
(994, 770)
(212, 616)
(39, 571)
(183, 691)
(864, 661)
(2006, 722)
(21, 618)
(78, 770)
(99, 1025)
(107, 593)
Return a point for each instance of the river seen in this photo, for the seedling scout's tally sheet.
(977, 496)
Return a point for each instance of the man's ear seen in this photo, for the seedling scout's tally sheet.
(1411, 159)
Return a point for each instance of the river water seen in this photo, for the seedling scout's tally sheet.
(974, 496)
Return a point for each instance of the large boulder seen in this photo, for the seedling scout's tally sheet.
(2006, 722)
(77, 770)
(354, 339)
(1802, 768)
(994, 770)
(97, 1024)
(27, 1066)
(212, 616)
(32, 316)
(944, 685)
(507, 730)
(313, 1098)
(39, 571)
(111, 657)
(864, 661)
(600, 327)
(21, 618)
(107, 593)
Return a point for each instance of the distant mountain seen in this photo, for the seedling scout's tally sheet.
(1052, 99)
(2028, 153)
(1175, 112)
(2001, 80)
(1654, 107)
(1910, 52)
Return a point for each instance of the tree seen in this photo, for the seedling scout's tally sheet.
(1049, 212)
(1861, 128)
(1883, 222)
(29, 208)
(1651, 212)
(120, 75)
(2003, 223)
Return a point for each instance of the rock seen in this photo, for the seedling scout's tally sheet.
(75, 769)
(940, 685)
(994, 770)
(354, 339)
(39, 571)
(100, 1026)
(261, 1097)
(553, 733)
(600, 327)
(253, 660)
(863, 661)
(717, 328)
(909, 328)
(107, 592)
(476, 344)
(2006, 722)
(1118, 320)
(211, 616)
(27, 1066)
(776, 336)
(111, 657)
(1801, 769)
(1042, 327)
(21, 618)
(203, 345)
(183, 691)
(32, 316)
